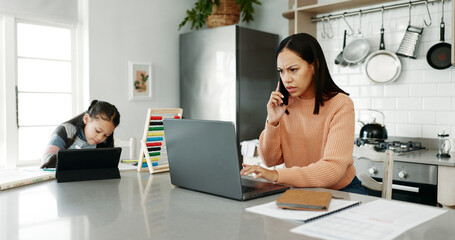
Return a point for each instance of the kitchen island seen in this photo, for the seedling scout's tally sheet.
(144, 206)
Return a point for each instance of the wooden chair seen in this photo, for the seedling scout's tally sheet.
(370, 154)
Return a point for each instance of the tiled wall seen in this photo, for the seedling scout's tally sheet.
(421, 102)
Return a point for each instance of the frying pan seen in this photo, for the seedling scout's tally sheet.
(439, 55)
(382, 66)
(339, 59)
(356, 51)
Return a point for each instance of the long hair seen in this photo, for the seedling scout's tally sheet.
(97, 109)
(308, 48)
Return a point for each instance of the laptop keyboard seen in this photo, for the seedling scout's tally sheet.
(246, 189)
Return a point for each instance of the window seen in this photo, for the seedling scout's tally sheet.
(44, 85)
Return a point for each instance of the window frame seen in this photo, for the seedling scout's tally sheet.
(9, 143)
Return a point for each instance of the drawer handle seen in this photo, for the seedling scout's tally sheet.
(405, 188)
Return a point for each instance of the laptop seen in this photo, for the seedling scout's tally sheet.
(87, 164)
(203, 156)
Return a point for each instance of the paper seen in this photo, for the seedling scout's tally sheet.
(380, 219)
(272, 210)
(11, 178)
(123, 167)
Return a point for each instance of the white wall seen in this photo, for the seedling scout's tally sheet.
(421, 103)
(147, 31)
(61, 10)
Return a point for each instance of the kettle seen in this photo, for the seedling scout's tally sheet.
(373, 131)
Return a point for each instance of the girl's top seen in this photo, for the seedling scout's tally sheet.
(62, 138)
(316, 149)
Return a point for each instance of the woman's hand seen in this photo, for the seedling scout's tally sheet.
(275, 106)
(270, 175)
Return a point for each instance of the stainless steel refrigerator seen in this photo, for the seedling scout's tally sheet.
(227, 73)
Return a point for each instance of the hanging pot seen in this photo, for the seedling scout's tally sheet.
(382, 66)
(439, 56)
(339, 59)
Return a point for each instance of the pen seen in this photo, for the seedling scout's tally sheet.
(49, 169)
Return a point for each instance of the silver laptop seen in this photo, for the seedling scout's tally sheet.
(203, 156)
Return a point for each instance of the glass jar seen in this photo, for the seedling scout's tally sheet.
(443, 145)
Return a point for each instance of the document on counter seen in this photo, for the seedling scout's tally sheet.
(379, 219)
(11, 178)
(272, 210)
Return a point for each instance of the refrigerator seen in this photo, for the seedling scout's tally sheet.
(227, 73)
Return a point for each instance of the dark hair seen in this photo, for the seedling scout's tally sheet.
(308, 48)
(97, 109)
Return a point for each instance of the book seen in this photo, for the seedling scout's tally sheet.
(298, 199)
(12, 178)
(272, 210)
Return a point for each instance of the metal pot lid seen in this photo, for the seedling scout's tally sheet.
(382, 66)
(356, 51)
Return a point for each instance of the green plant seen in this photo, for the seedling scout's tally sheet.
(203, 8)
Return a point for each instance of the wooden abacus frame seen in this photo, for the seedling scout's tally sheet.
(155, 138)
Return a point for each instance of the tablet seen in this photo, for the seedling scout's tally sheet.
(87, 164)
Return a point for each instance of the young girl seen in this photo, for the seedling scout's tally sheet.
(93, 128)
(313, 134)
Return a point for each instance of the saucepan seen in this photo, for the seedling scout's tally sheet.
(339, 60)
(439, 56)
(382, 66)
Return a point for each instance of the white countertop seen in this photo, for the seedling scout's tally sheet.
(425, 156)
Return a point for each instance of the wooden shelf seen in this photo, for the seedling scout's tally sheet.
(331, 6)
(300, 16)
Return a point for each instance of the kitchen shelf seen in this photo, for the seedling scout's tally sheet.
(300, 16)
(328, 6)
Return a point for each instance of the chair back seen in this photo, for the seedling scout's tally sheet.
(367, 181)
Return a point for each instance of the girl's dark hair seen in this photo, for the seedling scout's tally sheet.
(97, 109)
(308, 48)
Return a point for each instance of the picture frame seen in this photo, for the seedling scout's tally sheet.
(140, 81)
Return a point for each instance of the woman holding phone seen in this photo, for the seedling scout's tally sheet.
(310, 123)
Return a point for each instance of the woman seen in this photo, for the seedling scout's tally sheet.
(93, 128)
(313, 134)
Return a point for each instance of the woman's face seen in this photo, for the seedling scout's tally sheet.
(97, 129)
(296, 73)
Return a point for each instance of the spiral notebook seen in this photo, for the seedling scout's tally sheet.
(272, 210)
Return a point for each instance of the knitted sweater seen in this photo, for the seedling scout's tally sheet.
(316, 149)
(62, 139)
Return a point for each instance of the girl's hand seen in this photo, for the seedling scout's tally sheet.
(270, 175)
(275, 106)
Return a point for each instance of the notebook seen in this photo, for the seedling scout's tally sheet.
(298, 199)
(87, 164)
(203, 156)
(271, 209)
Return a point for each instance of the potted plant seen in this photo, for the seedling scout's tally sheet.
(219, 13)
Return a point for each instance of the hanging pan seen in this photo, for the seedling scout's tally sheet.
(382, 66)
(357, 50)
(439, 56)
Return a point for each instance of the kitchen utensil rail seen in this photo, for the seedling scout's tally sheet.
(376, 9)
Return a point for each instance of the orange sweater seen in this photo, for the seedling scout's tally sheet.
(316, 149)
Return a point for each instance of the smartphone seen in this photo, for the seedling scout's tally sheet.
(285, 93)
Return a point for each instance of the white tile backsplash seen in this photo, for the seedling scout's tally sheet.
(437, 103)
(421, 102)
(422, 90)
(384, 103)
(422, 117)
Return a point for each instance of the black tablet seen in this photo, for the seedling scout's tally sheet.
(87, 164)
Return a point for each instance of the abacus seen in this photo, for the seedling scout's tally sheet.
(153, 146)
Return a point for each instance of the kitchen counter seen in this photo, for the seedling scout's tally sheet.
(425, 156)
(144, 206)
